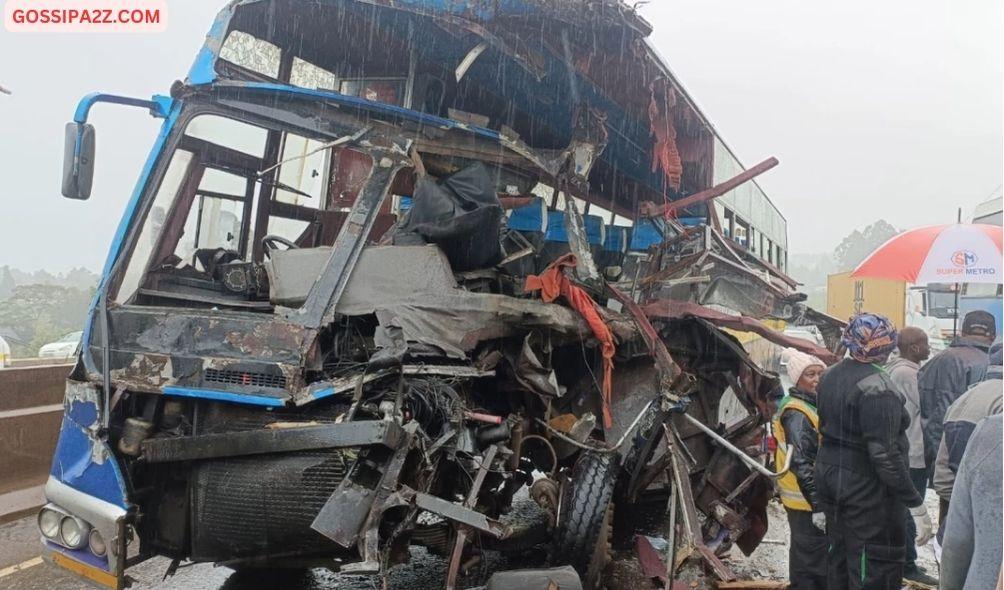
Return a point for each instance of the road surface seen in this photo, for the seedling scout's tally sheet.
(21, 568)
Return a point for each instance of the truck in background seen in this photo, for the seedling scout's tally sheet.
(927, 308)
(987, 297)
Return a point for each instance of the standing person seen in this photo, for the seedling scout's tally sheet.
(983, 399)
(913, 349)
(950, 373)
(971, 558)
(862, 470)
(796, 428)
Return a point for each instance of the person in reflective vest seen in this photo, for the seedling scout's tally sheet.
(796, 428)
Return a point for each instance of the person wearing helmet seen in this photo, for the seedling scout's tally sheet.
(862, 471)
(795, 427)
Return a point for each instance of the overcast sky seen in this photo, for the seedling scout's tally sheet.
(887, 109)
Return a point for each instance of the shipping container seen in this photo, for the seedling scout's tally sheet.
(846, 296)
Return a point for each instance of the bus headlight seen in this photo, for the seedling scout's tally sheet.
(96, 543)
(48, 523)
(72, 532)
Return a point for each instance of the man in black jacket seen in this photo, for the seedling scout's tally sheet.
(796, 428)
(862, 472)
(949, 374)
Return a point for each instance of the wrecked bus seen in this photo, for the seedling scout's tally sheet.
(402, 258)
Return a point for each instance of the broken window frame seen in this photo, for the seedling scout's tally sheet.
(175, 145)
(279, 121)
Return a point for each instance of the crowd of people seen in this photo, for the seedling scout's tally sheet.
(870, 435)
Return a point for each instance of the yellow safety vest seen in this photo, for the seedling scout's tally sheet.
(787, 485)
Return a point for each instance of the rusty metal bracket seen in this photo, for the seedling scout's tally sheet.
(749, 461)
(369, 544)
(578, 244)
(462, 531)
(668, 369)
(342, 517)
(693, 537)
(265, 440)
(461, 515)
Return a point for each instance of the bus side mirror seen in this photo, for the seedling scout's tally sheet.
(78, 160)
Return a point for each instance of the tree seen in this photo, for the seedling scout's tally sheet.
(39, 314)
(859, 244)
(7, 283)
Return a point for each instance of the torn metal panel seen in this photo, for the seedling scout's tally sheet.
(352, 514)
(692, 536)
(832, 328)
(324, 389)
(578, 245)
(669, 309)
(344, 513)
(253, 354)
(532, 365)
(668, 368)
(699, 265)
(387, 496)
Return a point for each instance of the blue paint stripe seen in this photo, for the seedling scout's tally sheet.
(203, 70)
(366, 105)
(225, 396)
(82, 555)
(116, 246)
(319, 394)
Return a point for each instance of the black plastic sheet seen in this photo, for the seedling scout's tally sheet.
(461, 214)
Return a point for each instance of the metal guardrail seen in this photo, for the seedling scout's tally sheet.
(37, 362)
(31, 409)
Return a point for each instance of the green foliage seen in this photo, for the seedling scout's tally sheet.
(857, 246)
(38, 314)
(812, 269)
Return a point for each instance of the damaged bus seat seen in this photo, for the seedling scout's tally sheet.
(614, 249)
(645, 234)
(530, 221)
(556, 242)
(382, 271)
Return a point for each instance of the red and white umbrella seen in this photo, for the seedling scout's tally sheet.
(960, 253)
